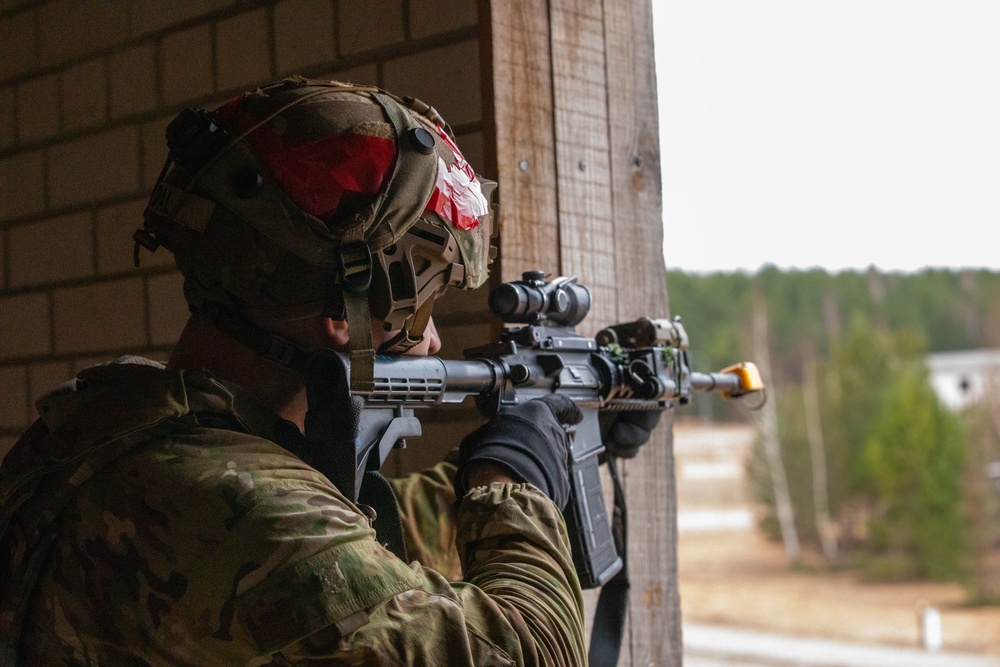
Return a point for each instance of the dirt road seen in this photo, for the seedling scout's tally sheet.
(716, 646)
(737, 578)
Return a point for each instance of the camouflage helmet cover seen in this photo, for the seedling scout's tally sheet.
(299, 170)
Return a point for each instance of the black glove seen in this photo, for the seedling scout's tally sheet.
(530, 441)
(623, 433)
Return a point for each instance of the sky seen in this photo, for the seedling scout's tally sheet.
(838, 135)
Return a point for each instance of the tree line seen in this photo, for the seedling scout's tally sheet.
(876, 473)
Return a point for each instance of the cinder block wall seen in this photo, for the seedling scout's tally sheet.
(86, 91)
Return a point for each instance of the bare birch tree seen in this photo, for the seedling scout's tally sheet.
(817, 454)
(768, 422)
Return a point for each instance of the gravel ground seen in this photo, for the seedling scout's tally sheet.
(737, 578)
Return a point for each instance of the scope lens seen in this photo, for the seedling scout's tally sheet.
(508, 301)
(574, 304)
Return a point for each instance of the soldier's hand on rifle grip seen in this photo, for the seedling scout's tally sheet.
(530, 441)
(623, 433)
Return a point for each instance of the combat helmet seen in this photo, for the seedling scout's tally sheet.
(306, 198)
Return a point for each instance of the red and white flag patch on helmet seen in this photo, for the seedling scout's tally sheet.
(457, 196)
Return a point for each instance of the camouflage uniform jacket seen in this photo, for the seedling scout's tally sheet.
(150, 518)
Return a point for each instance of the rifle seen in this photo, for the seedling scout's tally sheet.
(639, 365)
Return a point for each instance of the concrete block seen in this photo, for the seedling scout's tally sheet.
(132, 75)
(68, 29)
(115, 226)
(102, 316)
(243, 51)
(187, 64)
(168, 310)
(14, 412)
(52, 250)
(38, 108)
(26, 330)
(368, 25)
(85, 95)
(11, 5)
(22, 185)
(43, 378)
(94, 167)
(447, 78)
(152, 15)
(303, 34)
(432, 17)
(154, 150)
(8, 118)
(20, 39)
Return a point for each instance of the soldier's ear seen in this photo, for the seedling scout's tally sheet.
(337, 333)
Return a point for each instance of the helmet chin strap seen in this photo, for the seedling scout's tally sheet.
(362, 355)
(356, 264)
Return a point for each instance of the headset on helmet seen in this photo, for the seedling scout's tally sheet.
(307, 197)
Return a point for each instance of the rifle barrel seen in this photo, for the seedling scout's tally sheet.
(724, 382)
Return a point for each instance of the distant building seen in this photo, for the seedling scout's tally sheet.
(960, 378)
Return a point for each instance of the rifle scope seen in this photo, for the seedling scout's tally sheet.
(530, 300)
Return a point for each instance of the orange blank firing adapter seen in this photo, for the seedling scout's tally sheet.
(750, 380)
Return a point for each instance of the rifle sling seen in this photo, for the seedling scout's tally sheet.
(376, 493)
(330, 445)
(612, 603)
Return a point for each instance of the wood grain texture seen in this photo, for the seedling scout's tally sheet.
(654, 612)
(523, 118)
(579, 98)
(583, 175)
(575, 98)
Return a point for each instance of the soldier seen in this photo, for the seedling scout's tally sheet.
(169, 515)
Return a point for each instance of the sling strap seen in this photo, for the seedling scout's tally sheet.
(331, 445)
(612, 603)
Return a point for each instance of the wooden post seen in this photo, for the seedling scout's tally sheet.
(574, 117)
(525, 138)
